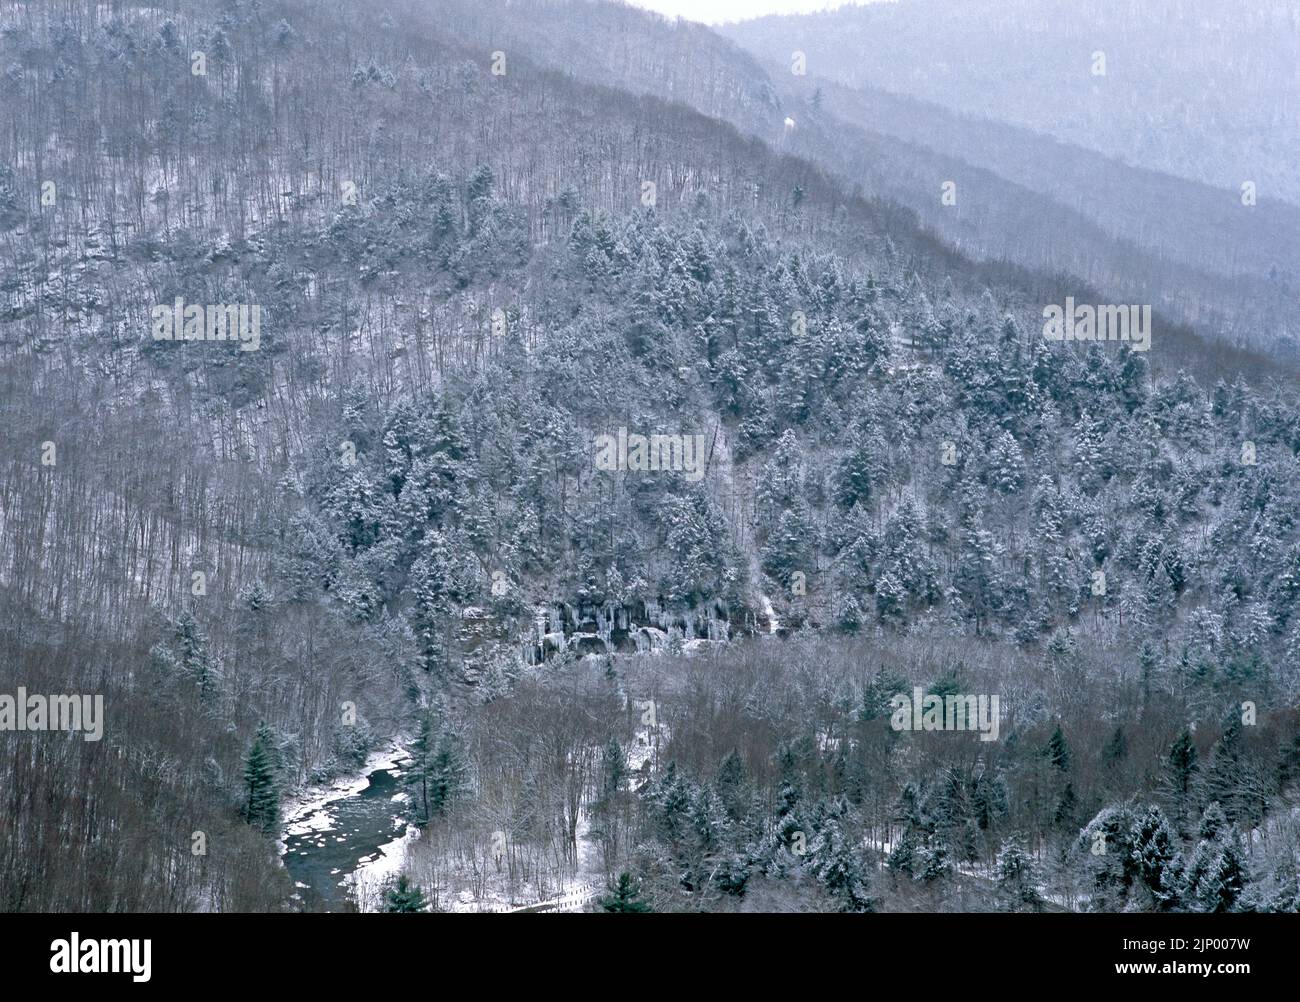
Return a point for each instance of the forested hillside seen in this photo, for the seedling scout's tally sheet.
(388, 524)
(1224, 269)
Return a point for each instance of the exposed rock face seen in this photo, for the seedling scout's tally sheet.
(639, 628)
(584, 630)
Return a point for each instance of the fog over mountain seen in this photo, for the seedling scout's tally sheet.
(535, 455)
(1201, 89)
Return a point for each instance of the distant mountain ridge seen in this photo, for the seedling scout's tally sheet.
(1202, 89)
(1189, 249)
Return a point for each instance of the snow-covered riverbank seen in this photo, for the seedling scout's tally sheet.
(338, 837)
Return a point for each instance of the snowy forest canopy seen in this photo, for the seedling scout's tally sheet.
(386, 524)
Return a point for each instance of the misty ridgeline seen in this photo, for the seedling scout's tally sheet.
(622, 419)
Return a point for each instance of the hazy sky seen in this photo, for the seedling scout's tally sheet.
(715, 11)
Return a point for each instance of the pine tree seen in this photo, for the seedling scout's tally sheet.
(891, 600)
(733, 785)
(403, 896)
(433, 577)
(1219, 887)
(262, 801)
(448, 773)
(1016, 879)
(710, 823)
(780, 487)
(903, 854)
(835, 863)
(1007, 465)
(788, 546)
(859, 470)
(976, 578)
(1058, 750)
(614, 765)
(1089, 449)
(988, 800)
(191, 657)
(1067, 805)
(1199, 862)
(791, 792)
(1158, 860)
(935, 859)
(624, 896)
(438, 772)
(1226, 774)
(1105, 851)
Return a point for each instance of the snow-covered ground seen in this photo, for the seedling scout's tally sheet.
(369, 880)
(572, 890)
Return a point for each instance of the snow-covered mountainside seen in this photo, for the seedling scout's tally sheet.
(377, 387)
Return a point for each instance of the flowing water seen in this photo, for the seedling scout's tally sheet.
(330, 841)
